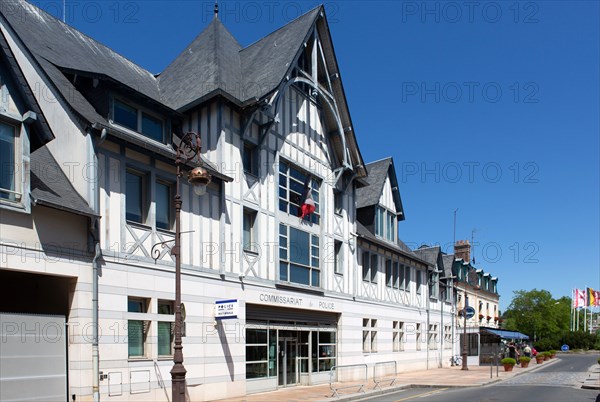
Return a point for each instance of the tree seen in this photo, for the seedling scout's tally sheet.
(538, 315)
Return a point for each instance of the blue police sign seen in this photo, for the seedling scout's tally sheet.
(564, 348)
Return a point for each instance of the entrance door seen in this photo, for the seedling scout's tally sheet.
(287, 361)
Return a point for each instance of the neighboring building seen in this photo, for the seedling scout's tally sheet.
(477, 289)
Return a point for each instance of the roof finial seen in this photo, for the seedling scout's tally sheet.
(216, 9)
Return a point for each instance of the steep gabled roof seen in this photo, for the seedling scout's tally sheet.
(448, 260)
(266, 61)
(210, 63)
(62, 45)
(19, 89)
(377, 174)
(429, 254)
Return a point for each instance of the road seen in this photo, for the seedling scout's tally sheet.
(560, 382)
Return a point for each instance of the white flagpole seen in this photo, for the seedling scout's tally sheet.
(571, 316)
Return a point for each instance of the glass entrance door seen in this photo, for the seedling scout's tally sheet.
(287, 361)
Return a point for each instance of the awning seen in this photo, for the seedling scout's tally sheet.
(506, 334)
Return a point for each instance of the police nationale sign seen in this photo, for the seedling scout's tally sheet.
(226, 309)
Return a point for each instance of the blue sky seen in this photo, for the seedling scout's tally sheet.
(488, 107)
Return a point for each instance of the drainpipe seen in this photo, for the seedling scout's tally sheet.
(95, 352)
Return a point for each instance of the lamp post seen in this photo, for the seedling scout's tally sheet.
(187, 150)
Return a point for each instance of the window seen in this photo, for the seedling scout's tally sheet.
(339, 257)
(447, 337)
(398, 336)
(291, 187)
(418, 339)
(434, 284)
(137, 330)
(379, 212)
(369, 267)
(134, 197)
(166, 329)
(338, 199)
(298, 256)
(249, 231)
(9, 168)
(432, 337)
(137, 120)
(369, 335)
(257, 353)
(389, 277)
(404, 278)
(250, 158)
(163, 206)
(324, 350)
(418, 281)
(385, 224)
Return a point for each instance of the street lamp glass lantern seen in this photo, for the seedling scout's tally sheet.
(199, 178)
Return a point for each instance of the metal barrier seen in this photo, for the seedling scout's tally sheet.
(336, 388)
(385, 378)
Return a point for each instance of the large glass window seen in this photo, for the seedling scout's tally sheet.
(369, 267)
(125, 115)
(250, 159)
(324, 350)
(291, 188)
(152, 127)
(298, 256)
(8, 163)
(404, 277)
(339, 257)
(261, 353)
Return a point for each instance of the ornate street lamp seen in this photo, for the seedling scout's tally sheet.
(188, 150)
(464, 345)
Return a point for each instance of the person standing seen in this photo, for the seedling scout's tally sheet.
(527, 351)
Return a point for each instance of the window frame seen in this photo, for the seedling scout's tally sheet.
(15, 169)
(171, 323)
(250, 245)
(170, 204)
(134, 317)
(369, 335)
(338, 257)
(140, 113)
(250, 150)
(144, 202)
(285, 256)
(290, 203)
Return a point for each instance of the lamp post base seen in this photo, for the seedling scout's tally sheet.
(178, 373)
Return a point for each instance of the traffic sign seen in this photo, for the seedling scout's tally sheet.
(469, 310)
(564, 348)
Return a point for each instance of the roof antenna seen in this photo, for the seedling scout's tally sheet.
(473, 243)
(216, 9)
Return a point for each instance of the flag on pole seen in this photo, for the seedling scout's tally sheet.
(593, 297)
(580, 299)
(307, 204)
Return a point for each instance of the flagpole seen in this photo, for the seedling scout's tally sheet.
(571, 315)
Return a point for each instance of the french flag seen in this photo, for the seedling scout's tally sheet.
(307, 205)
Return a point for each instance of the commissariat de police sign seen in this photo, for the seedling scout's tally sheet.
(225, 309)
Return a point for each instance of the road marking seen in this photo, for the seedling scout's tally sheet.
(422, 395)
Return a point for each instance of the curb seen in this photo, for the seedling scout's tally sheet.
(593, 380)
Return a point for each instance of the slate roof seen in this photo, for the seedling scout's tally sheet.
(211, 62)
(62, 45)
(20, 90)
(377, 173)
(51, 187)
(400, 246)
(429, 254)
(448, 260)
(266, 61)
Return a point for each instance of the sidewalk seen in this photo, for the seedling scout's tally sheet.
(593, 380)
(450, 377)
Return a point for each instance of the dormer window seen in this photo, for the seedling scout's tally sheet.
(9, 180)
(138, 120)
(385, 224)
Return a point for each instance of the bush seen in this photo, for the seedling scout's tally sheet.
(546, 354)
(509, 361)
(545, 344)
(552, 351)
(599, 360)
(524, 359)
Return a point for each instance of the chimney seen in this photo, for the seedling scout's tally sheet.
(462, 250)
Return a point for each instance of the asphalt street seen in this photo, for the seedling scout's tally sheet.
(560, 382)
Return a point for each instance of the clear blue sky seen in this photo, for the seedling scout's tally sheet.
(491, 108)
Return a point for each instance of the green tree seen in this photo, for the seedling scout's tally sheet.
(537, 314)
